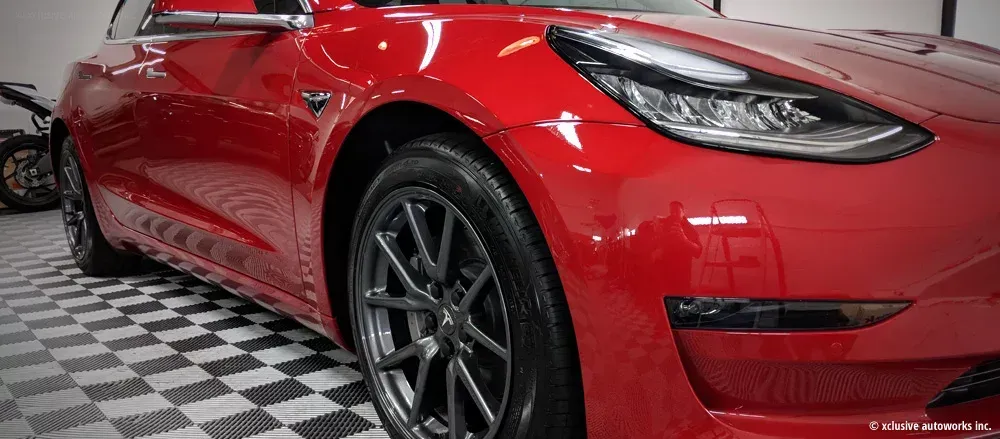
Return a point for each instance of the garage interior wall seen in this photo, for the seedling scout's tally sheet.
(976, 20)
(41, 38)
(903, 15)
(53, 33)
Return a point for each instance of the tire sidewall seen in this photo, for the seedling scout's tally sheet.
(468, 191)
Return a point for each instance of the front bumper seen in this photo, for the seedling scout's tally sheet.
(924, 228)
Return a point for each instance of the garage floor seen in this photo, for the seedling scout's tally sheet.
(162, 354)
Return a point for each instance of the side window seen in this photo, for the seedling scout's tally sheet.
(286, 7)
(114, 19)
(130, 18)
(133, 17)
(148, 27)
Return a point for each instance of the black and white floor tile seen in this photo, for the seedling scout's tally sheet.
(161, 354)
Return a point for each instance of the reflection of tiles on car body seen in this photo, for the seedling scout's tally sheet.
(160, 355)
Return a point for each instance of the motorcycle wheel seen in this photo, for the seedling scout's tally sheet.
(20, 190)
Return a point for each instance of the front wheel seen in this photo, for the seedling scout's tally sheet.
(23, 188)
(91, 250)
(460, 320)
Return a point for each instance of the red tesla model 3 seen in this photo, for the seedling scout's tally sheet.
(566, 218)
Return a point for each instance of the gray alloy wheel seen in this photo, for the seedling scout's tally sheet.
(432, 319)
(74, 210)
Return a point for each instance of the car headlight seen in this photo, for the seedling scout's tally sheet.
(703, 100)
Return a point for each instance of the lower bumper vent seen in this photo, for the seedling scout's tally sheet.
(982, 381)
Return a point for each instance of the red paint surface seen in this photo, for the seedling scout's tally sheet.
(222, 165)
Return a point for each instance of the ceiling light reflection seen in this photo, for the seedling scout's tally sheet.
(706, 220)
(433, 29)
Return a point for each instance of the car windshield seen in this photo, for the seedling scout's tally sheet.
(682, 7)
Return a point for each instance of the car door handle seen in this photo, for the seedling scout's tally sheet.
(151, 73)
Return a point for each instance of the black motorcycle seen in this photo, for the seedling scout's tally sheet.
(28, 181)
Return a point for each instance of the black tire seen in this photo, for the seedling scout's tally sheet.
(546, 391)
(8, 197)
(94, 255)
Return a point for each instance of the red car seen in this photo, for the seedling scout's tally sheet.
(627, 219)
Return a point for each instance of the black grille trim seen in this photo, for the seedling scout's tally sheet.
(982, 381)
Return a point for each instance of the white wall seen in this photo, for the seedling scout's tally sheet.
(977, 20)
(903, 15)
(39, 38)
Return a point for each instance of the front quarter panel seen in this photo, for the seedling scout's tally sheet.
(486, 67)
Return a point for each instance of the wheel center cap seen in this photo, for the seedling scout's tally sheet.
(447, 319)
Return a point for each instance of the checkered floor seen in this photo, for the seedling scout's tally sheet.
(161, 354)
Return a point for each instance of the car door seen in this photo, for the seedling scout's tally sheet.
(213, 117)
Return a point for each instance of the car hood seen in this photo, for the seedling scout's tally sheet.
(890, 69)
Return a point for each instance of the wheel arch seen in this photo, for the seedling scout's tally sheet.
(58, 132)
(364, 149)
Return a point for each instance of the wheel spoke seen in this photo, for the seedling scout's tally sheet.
(72, 177)
(475, 292)
(417, 219)
(415, 283)
(420, 385)
(415, 349)
(485, 340)
(81, 231)
(71, 235)
(444, 251)
(72, 218)
(409, 302)
(457, 427)
(473, 380)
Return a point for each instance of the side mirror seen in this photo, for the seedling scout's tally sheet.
(224, 15)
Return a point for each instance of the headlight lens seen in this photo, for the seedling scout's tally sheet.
(775, 315)
(706, 101)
